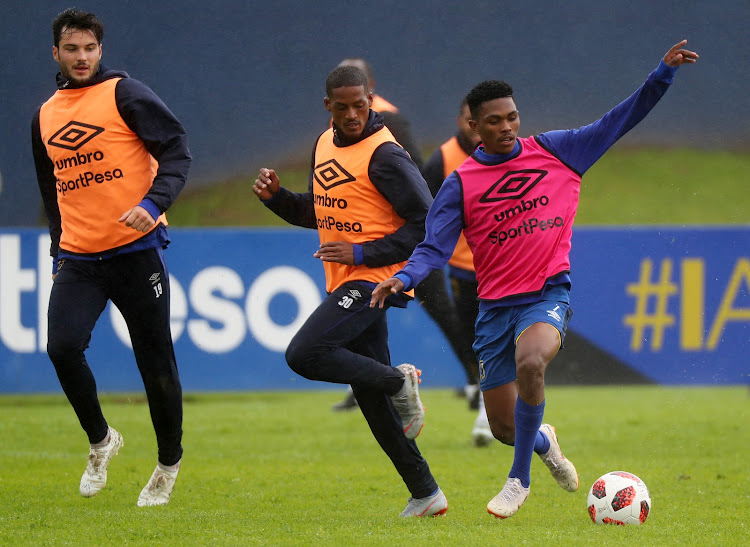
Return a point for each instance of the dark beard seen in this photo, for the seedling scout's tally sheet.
(72, 81)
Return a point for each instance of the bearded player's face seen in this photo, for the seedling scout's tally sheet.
(78, 55)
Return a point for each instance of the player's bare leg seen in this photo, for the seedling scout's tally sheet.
(535, 348)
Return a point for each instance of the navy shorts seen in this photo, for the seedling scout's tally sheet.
(498, 329)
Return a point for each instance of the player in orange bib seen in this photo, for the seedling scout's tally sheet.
(463, 280)
(110, 159)
(368, 202)
(432, 294)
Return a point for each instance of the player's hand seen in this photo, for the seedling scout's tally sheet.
(138, 219)
(336, 251)
(267, 184)
(677, 56)
(384, 289)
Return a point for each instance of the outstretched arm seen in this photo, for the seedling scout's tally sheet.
(677, 56)
(581, 148)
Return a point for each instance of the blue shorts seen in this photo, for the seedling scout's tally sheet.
(498, 329)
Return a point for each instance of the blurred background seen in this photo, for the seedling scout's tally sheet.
(247, 78)
(247, 81)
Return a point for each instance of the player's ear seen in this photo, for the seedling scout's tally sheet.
(55, 54)
(369, 98)
(327, 103)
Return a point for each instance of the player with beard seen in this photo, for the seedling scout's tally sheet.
(110, 160)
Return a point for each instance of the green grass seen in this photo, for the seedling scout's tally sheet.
(627, 186)
(282, 469)
(678, 186)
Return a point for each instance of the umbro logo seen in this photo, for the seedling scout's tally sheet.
(73, 135)
(154, 278)
(513, 185)
(330, 173)
(355, 294)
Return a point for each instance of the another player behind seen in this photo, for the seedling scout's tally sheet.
(393, 118)
(381, 202)
(110, 159)
(515, 200)
(431, 293)
(463, 280)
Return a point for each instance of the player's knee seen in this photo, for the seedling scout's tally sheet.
(302, 359)
(62, 350)
(530, 368)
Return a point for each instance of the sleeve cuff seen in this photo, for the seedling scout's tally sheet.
(405, 278)
(664, 72)
(151, 207)
(359, 254)
(271, 200)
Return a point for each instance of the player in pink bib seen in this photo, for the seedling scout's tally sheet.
(515, 200)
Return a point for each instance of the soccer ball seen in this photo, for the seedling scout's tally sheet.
(620, 498)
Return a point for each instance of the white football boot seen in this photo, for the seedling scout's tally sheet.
(431, 506)
(94, 479)
(407, 401)
(562, 469)
(509, 500)
(159, 487)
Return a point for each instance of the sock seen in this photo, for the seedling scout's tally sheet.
(541, 446)
(171, 468)
(102, 443)
(528, 418)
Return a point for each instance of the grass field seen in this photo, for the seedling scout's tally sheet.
(626, 186)
(282, 469)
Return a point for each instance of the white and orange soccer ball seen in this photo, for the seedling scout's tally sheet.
(620, 498)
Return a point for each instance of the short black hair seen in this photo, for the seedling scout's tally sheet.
(72, 18)
(345, 76)
(488, 90)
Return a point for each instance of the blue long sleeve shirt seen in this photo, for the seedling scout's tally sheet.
(578, 148)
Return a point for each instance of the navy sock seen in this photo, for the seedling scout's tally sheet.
(541, 446)
(528, 418)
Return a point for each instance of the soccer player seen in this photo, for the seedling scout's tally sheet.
(515, 200)
(393, 119)
(432, 293)
(368, 201)
(446, 159)
(110, 159)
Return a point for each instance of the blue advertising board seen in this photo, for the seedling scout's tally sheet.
(672, 304)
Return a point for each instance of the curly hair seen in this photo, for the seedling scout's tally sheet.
(487, 91)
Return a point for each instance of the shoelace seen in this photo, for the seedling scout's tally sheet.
(510, 495)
